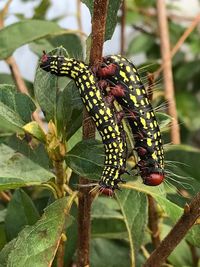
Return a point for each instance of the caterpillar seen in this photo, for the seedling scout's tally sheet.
(127, 88)
(111, 132)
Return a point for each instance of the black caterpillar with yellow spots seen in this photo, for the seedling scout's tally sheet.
(112, 134)
(125, 85)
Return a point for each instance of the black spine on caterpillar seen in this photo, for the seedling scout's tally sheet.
(112, 135)
(128, 90)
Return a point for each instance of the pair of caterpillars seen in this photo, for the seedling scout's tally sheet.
(120, 75)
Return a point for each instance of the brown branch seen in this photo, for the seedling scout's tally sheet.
(123, 21)
(5, 197)
(61, 253)
(181, 40)
(153, 222)
(85, 198)
(177, 233)
(167, 70)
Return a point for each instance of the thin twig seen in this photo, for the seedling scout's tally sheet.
(123, 21)
(179, 43)
(167, 70)
(5, 197)
(153, 222)
(85, 198)
(177, 233)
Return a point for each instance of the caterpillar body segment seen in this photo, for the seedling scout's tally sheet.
(130, 93)
(112, 134)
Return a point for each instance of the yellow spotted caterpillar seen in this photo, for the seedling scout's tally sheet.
(112, 133)
(128, 90)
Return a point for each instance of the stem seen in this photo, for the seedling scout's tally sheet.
(181, 40)
(153, 222)
(85, 198)
(123, 20)
(167, 70)
(177, 233)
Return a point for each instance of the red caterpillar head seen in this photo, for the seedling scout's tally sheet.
(153, 179)
(107, 191)
(45, 61)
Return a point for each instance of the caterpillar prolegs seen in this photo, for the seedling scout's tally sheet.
(112, 134)
(130, 93)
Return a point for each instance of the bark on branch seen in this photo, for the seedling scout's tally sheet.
(178, 232)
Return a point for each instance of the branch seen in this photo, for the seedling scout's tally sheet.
(85, 198)
(167, 70)
(181, 40)
(153, 222)
(123, 21)
(177, 233)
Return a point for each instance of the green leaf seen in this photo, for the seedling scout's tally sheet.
(111, 19)
(69, 110)
(22, 211)
(36, 245)
(41, 9)
(86, 159)
(2, 236)
(16, 170)
(71, 42)
(133, 206)
(140, 44)
(188, 109)
(35, 130)
(171, 209)
(110, 253)
(11, 37)
(6, 78)
(107, 220)
(15, 108)
(46, 87)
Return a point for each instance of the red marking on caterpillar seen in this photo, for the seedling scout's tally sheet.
(117, 90)
(141, 151)
(102, 84)
(108, 70)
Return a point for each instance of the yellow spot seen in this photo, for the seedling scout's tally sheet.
(133, 98)
(143, 122)
(135, 123)
(115, 144)
(142, 102)
(80, 80)
(83, 87)
(84, 77)
(138, 92)
(143, 91)
(101, 111)
(98, 95)
(110, 128)
(94, 101)
(123, 75)
(113, 135)
(151, 125)
(91, 78)
(105, 131)
(128, 69)
(82, 65)
(155, 123)
(105, 118)
(108, 136)
(108, 111)
(97, 116)
(155, 135)
(132, 78)
(148, 115)
(100, 121)
(88, 84)
(149, 142)
(137, 78)
(154, 156)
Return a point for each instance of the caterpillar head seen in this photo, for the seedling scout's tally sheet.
(153, 179)
(45, 62)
